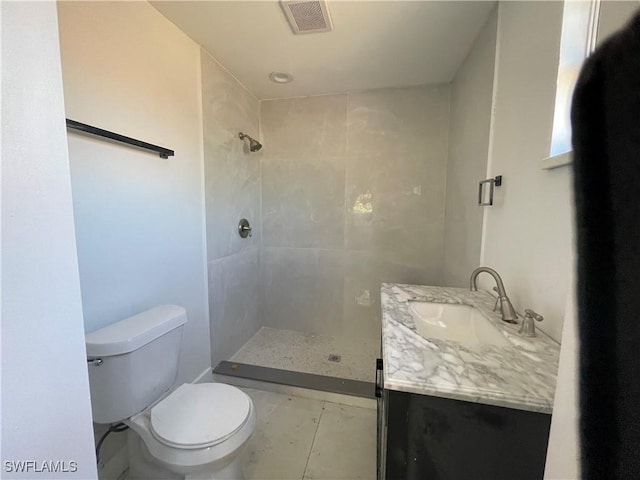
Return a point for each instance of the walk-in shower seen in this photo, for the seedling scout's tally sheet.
(347, 196)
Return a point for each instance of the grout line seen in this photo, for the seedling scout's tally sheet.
(346, 180)
(445, 190)
(354, 91)
(261, 288)
(345, 217)
(281, 247)
(203, 190)
(249, 249)
(313, 442)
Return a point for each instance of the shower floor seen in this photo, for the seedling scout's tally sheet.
(308, 353)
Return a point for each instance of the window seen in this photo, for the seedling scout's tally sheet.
(579, 26)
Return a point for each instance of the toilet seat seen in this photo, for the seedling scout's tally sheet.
(182, 459)
(199, 416)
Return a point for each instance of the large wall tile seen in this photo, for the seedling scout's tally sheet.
(362, 321)
(232, 192)
(233, 303)
(362, 175)
(232, 174)
(302, 289)
(228, 107)
(303, 201)
(232, 185)
(398, 121)
(395, 176)
(365, 271)
(396, 207)
(305, 126)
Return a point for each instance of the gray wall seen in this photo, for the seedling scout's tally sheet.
(471, 99)
(232, 191)
(46, 413)
(352, 196)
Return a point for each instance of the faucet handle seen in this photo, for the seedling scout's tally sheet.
(527, 327)
(531, 314)
(495, 307)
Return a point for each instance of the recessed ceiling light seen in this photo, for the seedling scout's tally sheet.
(280, 77)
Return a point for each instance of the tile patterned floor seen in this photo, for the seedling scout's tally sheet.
(299, 438)
(308, 353)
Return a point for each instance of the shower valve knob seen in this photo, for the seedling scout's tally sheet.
(244, 228)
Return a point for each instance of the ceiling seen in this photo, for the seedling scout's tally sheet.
(373, 44)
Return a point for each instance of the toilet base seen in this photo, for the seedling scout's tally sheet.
(143, 466)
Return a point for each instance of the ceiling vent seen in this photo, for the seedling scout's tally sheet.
(307, 16)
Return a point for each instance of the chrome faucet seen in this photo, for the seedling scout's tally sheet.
(508, 313)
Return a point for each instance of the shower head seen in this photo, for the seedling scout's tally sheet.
(254, 145)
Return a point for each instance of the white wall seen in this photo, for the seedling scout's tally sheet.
(563, 454)
(527, 234)
(469, 132)
(139, 218)
(46, 411)
(614, 15)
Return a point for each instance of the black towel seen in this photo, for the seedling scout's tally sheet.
(606, 143)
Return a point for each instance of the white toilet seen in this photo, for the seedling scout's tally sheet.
(193, 431)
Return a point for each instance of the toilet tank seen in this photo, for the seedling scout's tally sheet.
(133, 362)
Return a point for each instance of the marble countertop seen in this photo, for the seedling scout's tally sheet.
(521, 376)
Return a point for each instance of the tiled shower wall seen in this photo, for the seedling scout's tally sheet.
(352, 196)
(232, 191)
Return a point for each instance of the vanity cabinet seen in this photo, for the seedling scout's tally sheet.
(426, 437)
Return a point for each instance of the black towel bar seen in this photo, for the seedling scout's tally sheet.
(83, 127)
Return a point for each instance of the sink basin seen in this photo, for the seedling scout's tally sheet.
(460, 323)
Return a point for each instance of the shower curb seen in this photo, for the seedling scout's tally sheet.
(321, 387)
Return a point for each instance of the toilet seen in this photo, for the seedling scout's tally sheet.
(194, 431)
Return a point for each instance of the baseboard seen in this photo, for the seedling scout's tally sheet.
(116, 466)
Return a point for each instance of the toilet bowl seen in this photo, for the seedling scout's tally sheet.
(197, 431)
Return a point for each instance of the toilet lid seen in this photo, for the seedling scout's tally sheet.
(198, 416)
